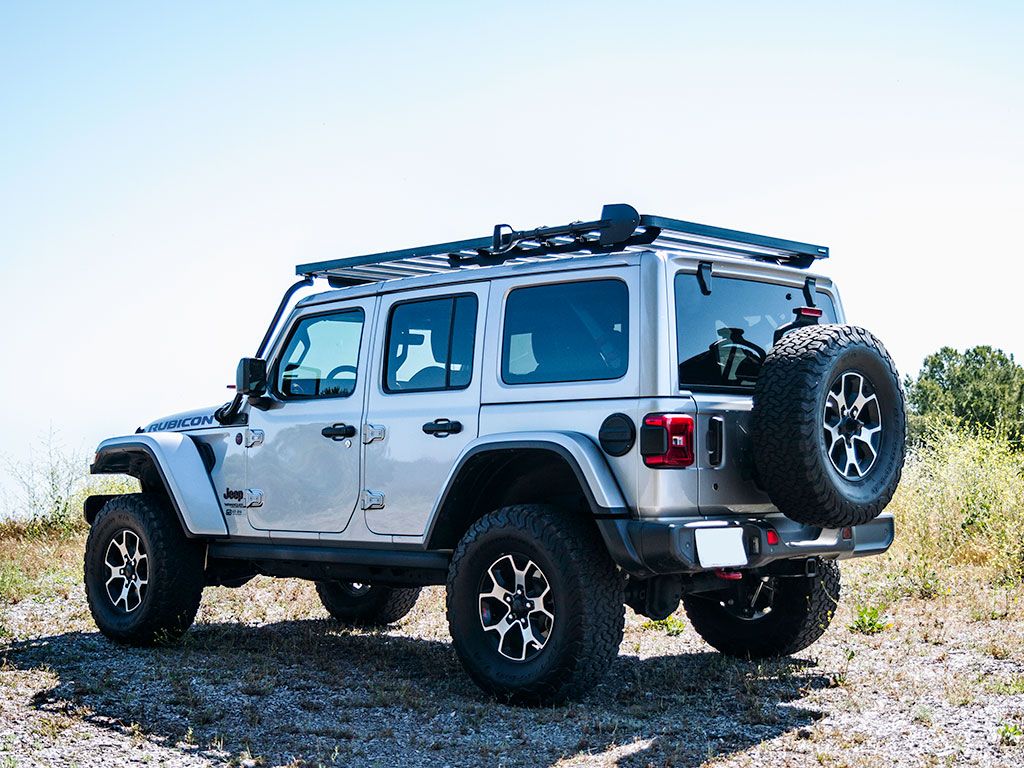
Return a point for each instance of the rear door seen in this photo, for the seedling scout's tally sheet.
(725, 325)
(424, 402)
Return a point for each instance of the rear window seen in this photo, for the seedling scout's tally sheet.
(723, 337)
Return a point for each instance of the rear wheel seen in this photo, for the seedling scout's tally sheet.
(366, 605)
(767, 616)
(143, 576)
(535, 604)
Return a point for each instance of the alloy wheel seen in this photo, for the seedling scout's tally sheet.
(127, 570)
(852, 425)
(516, 607)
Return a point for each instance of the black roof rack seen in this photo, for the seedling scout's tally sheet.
(620, 228)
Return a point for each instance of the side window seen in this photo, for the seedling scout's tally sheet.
(430, 344)
(566, 332)
(321, 357)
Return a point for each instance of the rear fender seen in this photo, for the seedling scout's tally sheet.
(579, 451)
(172, 460)
(455, 506)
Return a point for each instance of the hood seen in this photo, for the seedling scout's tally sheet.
(200, 418)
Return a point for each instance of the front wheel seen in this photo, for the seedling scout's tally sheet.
(535, 604)
(767, 616)
(143, 577)
(366, 605)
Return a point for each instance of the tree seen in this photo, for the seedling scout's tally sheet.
(981, 387)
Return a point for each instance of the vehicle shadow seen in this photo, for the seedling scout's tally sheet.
(308, 692)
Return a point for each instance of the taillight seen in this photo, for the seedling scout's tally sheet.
(666, 440)
(809, 312)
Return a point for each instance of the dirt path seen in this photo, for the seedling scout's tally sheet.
(263, 679)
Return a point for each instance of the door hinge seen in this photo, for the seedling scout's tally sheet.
(373, 500)
(254, 437)
(373, 432)
(252, 497)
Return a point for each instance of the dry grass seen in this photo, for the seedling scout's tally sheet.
(960, 523)
(39, 565)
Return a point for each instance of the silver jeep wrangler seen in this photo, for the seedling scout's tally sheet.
(554, 424)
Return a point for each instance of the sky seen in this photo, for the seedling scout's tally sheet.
(163, 167)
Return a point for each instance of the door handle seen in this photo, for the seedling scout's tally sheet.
(716, 440)
(339, 431)
(442, 427)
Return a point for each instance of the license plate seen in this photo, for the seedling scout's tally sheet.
(720, 547)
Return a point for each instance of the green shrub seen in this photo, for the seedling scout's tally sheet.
(960, 505)
(673, 626)
(869, 620)
(1010, 734)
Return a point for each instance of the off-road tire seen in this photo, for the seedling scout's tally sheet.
(788, 441)
(378, 606)
(586, 594)
(801, 612)
(171, 598)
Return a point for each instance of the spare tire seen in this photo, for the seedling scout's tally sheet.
(829, 426)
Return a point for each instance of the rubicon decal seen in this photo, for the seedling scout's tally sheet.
(183, 423)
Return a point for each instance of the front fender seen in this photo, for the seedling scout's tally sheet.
(177, 462)
(582, 455)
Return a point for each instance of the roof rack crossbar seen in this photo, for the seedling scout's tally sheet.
(620, 228)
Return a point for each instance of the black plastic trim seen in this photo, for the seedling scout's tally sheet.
(617, 435)
(384, 558)
(646, 548)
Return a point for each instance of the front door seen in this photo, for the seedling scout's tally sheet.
(307, 465)
(424, 407)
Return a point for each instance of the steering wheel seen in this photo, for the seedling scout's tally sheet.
(736, 353)
(340, 370)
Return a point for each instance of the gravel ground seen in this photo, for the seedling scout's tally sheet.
(264, 679)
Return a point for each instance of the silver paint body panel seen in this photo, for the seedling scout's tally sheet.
(182, 469)
(312, 485)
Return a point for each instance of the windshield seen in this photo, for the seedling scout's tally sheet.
(723, 337)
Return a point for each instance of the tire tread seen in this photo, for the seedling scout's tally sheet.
(596, 628)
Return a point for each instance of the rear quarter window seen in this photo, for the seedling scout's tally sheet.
(723, 336)
(566, 332)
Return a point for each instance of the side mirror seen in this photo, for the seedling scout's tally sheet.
(251, 376)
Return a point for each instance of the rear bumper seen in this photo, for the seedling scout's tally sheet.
(647, 548)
